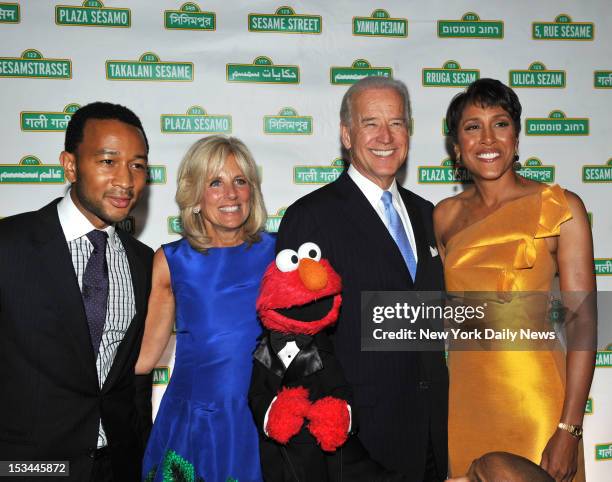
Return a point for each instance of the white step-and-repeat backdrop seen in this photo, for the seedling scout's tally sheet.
(273, 75)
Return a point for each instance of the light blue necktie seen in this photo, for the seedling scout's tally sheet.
(398, 233)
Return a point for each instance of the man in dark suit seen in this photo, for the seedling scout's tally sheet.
(73, 298)
(379, 236)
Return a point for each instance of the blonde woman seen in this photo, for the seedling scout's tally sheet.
(206, 285)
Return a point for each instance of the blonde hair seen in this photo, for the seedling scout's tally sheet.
(203, 161)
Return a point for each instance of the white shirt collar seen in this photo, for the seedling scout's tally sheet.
(74, 223)
(370, 190)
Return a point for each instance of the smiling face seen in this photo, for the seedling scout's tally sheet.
(487, 142)
(378, 135)
(226, 204)
(300, 292)
(108, 171)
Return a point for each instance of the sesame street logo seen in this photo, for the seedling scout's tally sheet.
(196, 121)
(562, 29)
(9, 13)
(596, 174)
(538, 76)
(603, 452)
(92, 13)
(285, 20)
(31, 171)
(358, 70)
(470, 26)
(161, 375)
(318, 174)
(149, 67)
(380, 24)
(274, 220)
(189, 17)
(33, 65)
(557, 124)
(47, 121)
(603, 266)
(156, 174)
(263, 71)
(602, 79)
(603, 359)
(287, 122)
(174, 224)
(588, 409)
(533, 169)
(450, 75)
(446, 173)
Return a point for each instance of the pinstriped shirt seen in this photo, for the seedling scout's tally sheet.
(121, 307)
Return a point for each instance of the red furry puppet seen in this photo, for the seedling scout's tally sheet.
(299, 396)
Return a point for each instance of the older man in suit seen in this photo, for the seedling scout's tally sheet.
(379, 236)
(73, 296)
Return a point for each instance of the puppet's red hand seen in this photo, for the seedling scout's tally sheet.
(287, 414)
(329, 422)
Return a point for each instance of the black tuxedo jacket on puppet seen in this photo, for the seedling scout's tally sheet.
(307, 428)
(401, 397)
(317, 369)
(50, 400)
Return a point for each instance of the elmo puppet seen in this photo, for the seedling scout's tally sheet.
(299, 396)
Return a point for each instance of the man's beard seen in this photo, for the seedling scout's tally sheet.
(95, 207)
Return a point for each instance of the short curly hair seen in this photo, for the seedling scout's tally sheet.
(98, 110)
(483, 93)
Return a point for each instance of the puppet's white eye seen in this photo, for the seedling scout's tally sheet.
(287, 260)
(309, 250)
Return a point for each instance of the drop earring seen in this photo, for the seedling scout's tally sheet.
(516, 164)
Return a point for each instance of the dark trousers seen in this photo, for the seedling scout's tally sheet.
(102, 470)
(431, 472)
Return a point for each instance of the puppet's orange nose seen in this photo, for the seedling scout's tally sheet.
(312, 274)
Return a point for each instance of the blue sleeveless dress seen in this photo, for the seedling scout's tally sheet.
(204, 429)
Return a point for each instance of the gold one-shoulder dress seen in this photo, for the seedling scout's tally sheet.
(506, 400)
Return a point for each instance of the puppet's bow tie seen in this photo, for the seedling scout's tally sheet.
(279, 340)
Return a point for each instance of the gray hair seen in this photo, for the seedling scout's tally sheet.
(373, 82)
(203, 161)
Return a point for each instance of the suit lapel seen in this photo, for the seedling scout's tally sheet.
(56, 265)
(361, 214)
(128, 344)
(265, 355)
(420, 237)
(137, 270)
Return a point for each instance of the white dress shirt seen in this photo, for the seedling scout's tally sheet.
(121, 306)
(373, 194)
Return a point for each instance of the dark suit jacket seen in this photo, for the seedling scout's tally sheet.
(401, 397)
(315, 368)
(50, 402)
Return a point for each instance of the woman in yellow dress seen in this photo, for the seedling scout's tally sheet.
(506, 233)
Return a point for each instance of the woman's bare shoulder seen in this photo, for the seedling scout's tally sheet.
(449, 206)
(448, 213)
